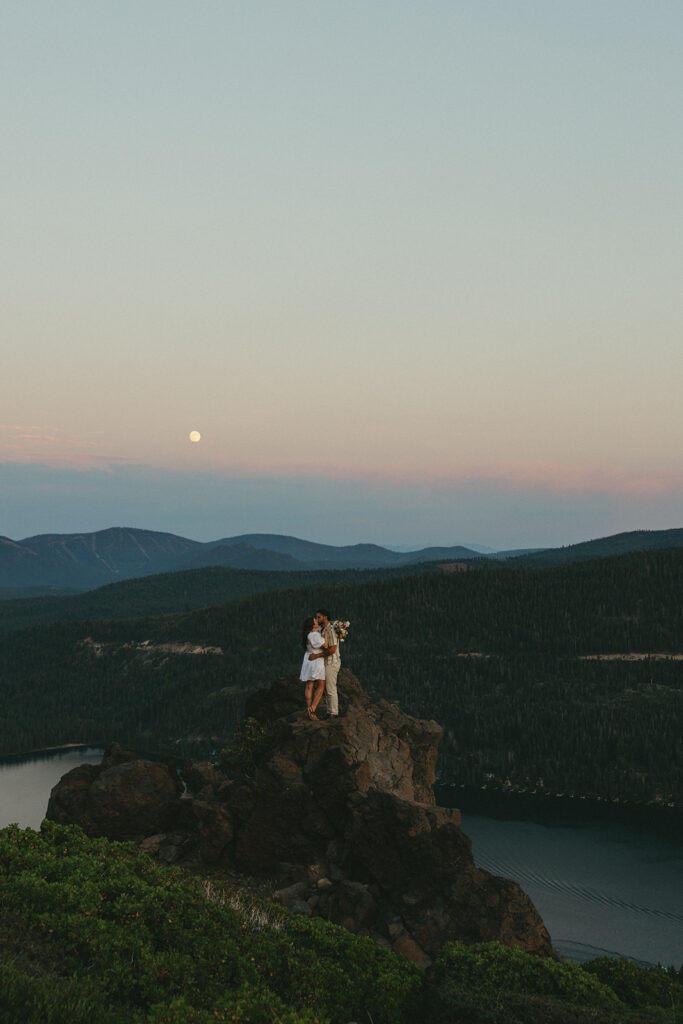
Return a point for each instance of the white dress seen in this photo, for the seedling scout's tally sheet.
(313, 669)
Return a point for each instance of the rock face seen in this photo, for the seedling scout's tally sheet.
(122, 798)
(340, 814)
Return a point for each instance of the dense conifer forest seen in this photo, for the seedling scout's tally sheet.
(504, 660)
(176, 592)
(617, 544)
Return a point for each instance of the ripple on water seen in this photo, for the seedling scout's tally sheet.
(601, 890)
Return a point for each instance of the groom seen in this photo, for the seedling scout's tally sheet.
(332, 660)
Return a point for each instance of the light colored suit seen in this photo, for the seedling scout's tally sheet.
(332, 666)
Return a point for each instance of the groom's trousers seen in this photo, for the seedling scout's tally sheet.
(331, 698)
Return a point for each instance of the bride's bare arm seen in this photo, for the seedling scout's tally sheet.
(319, 653)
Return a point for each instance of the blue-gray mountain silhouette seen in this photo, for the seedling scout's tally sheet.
(88, 560)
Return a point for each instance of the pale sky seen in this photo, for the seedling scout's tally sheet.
(413, 269)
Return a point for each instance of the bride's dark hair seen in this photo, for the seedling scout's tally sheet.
(308, 625)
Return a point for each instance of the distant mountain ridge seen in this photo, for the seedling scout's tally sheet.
(617, 544)
(311, 555)
(88, 560)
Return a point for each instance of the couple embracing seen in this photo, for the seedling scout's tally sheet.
(321, 663)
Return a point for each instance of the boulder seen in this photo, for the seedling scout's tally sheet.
(122, 798)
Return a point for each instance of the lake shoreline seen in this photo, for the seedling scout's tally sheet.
(498, 802)
(600, 875)
(552, 809)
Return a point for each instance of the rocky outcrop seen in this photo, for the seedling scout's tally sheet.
(339, 814)
(124, 797)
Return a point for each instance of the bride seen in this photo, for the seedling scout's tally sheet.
(313, 667)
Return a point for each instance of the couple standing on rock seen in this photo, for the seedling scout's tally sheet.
(321, 663)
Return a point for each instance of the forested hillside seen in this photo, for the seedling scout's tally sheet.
(617, 544)
(178, 592)
(498, 657)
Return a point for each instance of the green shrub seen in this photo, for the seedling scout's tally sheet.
(92, 932)
(110, 930)
(453, 1004)
(505, 968)
(637, 986)
(352, 977)
(250, 740)
(244, 1007)
(51, 1000)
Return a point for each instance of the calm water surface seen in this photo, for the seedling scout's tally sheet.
(601, 888)
(26, 782)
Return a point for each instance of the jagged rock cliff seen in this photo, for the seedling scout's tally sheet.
(339, 814)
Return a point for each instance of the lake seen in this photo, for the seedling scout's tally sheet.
(602, 886)
(601, 889)
(25, 782)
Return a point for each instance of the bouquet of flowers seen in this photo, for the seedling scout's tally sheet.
(341, 628)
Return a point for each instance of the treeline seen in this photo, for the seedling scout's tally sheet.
(557, 725)
(628, 603)
(493, 655)
(618, 544)
(176, 592)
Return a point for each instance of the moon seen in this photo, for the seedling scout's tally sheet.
(195, 436)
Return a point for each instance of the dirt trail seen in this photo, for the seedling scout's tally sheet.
(631, 657)
(147, 646)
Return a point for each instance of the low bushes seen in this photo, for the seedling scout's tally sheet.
(506, 968)
(638, 987)
(92, 931)
(144, 944)
(487, 983)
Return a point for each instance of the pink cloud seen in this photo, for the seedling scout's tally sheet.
(33, 426)
(39, 445)
(45, 446)
(62, 459)
(571, 479)
(518, 476)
